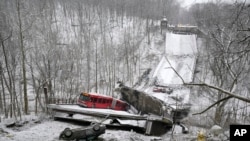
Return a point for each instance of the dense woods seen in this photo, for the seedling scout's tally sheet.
(58, 48)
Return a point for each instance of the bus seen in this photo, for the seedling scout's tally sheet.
(93, 100)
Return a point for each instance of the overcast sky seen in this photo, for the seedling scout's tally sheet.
(188, 3)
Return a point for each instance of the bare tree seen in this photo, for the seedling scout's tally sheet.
(23, 53)
(227, 55)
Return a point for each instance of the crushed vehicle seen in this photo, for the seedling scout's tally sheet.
(89, 133)
(162, 90)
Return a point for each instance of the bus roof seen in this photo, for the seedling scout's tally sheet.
(102, 95)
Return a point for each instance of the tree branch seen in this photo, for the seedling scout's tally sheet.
(219, 89)
(217, 102)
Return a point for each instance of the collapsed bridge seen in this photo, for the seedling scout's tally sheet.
(177, 65)
(155, 115)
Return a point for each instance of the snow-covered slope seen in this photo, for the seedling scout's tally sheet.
(184, 67)
(180, 44)
(50, 130)
(179, 60)
(177, 64)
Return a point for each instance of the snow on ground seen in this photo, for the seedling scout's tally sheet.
(165, 71)
(180, 57)
(177, 65)
(180, 44)
(49, 130)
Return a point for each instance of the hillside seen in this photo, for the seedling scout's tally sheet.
(53, 50)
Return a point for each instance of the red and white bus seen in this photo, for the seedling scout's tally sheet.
(93, 100)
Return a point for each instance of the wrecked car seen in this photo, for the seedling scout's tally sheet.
(88, 133)
(162, 90)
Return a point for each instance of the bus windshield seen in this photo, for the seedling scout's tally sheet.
(84, 97)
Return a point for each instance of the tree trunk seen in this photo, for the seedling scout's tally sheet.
(96, 66)
(45, 89)
(3, 90)
(147, 30)
(1, 93)
(9, 83)
(23, 59)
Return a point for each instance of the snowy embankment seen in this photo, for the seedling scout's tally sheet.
(177, 65)
(49, 130)
(178, 61)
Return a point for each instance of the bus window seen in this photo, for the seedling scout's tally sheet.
(94, 100)
(109, 101)
(84, 98)
(104, 101)
(118, 104)
(99, 100)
